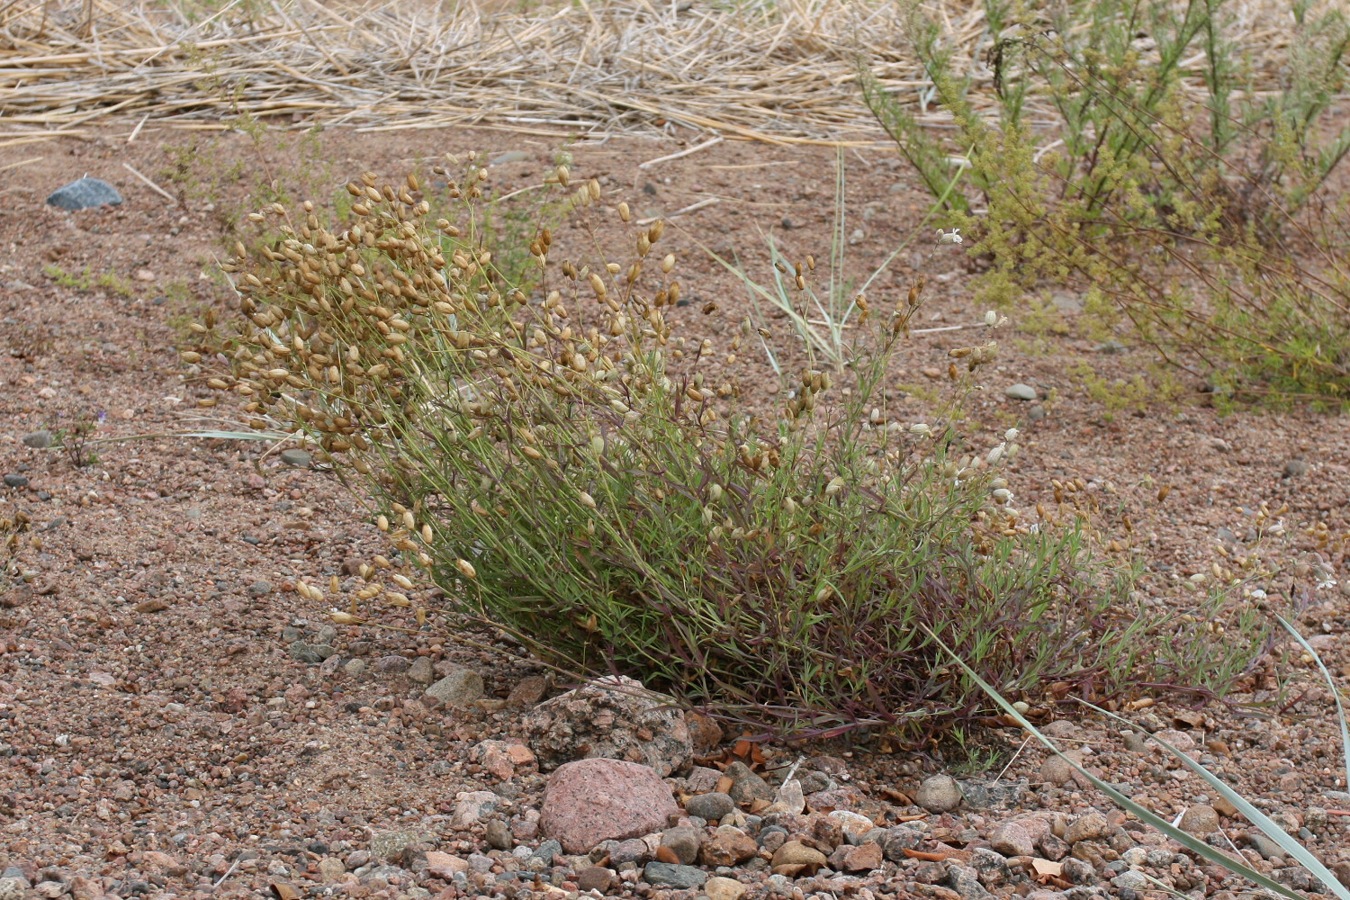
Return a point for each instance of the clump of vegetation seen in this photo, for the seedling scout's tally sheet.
(88, 280)
(565, 464)
(1194, 207)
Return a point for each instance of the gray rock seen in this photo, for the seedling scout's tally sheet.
(498, 836)
(421, 671)
(1076, 871)
(1001, 794)
(611, 719)
(1020, 391)
(355, 667)
(966, 882)
(301, 459)
(746, 785)
(509, 156)
(1264, 845)
(13, 888)
(683, 842)
(39, 440)
(898, 839)
(460, 688)
(15, 480)
(389, 845)
(1052, 847)
(669, 875)
(592, 800)
(710, 807)
(547, 852)
(311, 654)
(990, 866)
(392, 665)
(1134, 741)
(473, 806)
(853, 825)
(938, 794)
(1131, 880)
(86, 193)
(260, 588)
(621, 853)
(1295, 468)
(394, 874)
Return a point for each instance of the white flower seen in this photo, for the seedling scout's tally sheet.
(952, 237)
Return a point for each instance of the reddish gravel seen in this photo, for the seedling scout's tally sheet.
(159, 738)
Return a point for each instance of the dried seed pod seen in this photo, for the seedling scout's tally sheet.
(624, 213)
(466, 568)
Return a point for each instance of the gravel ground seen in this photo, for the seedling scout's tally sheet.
(175, 720)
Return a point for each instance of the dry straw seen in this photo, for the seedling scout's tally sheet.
(774, 71)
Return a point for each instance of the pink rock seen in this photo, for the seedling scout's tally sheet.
(443, 865)
(502, 758)
(1013, 839)
(594, 800)
(863, 858)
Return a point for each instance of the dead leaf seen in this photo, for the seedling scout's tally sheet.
(283, 891)
(1046, 869)
(1189, 718)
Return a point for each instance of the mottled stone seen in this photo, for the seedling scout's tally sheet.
(612, 719)
(591, 800)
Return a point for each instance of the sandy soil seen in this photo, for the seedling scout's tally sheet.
(157, 738)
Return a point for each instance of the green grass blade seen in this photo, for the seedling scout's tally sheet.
(1188, 841)
(1335, 695)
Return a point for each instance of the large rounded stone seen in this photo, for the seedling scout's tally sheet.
(594, 800)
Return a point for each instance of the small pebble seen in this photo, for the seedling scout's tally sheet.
(939, 793)
(1200, 820)
(301, 459)
(1020, 391)
(15, 480)
(710, 807)
(39, 440)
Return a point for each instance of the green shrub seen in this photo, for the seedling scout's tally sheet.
(1192, 203)
(569, 468)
